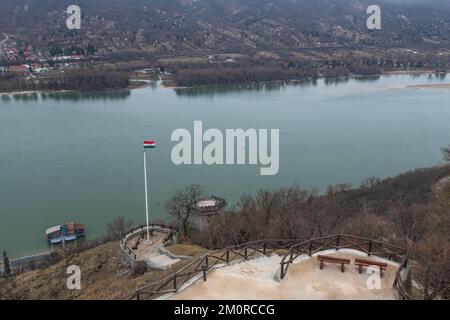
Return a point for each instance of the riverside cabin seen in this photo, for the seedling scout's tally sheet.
(65, 233)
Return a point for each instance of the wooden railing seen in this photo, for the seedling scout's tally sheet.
(342, 241)
(201, 266)
(399, 282)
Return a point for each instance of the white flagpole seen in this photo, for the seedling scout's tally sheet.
(146, 195)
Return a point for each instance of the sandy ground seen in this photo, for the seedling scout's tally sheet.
(148, 251)
(431, 86)
(149, 248)
(255, 279)
(104, 275)
(407, 72)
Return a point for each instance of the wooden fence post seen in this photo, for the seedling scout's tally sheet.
(370, 248)
(228, 256)
(264, 248)
(310, 249)
(205, 268)
(338, 240)
(245, 253)
(175, 282)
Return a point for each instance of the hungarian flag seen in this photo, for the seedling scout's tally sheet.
(149, 144)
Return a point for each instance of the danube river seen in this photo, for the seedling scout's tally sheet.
(78, 157)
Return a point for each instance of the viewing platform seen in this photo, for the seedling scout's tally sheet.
(207, 208)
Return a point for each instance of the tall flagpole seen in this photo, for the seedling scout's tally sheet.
(146, 194)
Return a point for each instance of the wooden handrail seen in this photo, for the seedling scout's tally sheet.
(237, 250)
(300, 248)
(295, 248)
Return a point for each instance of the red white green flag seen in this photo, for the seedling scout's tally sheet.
(149, 144)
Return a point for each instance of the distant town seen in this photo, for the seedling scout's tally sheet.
(19, 58)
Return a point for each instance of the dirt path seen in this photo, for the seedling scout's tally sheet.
(148, 251)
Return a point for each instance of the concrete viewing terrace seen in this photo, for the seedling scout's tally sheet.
(304, 280)
(290, 269)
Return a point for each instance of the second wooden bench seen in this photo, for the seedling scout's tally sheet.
(366, 263)
(340, 261)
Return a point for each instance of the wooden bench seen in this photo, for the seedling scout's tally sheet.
(340, 261)
(366, 263)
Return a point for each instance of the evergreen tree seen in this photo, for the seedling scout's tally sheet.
(7, 266)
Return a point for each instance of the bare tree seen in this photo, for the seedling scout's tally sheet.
(366, 223)
(370, 182)
(292, 204)
(433, 261)
(440, 214)
(117, 229)
(329, 212)
(181, 205)
(6, 264)
(266, 201)
(410, 223)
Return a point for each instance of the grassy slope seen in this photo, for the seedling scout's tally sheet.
(104, 276)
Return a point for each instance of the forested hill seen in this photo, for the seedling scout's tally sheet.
(226, 25)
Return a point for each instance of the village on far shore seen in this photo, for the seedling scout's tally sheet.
(21, 59)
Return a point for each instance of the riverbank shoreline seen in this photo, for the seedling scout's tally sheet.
(138, 84)
(169, 84)
(430, 86)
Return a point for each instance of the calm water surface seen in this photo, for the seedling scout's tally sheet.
(78, 157)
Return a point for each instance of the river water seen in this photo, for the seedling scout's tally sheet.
(78, 157)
